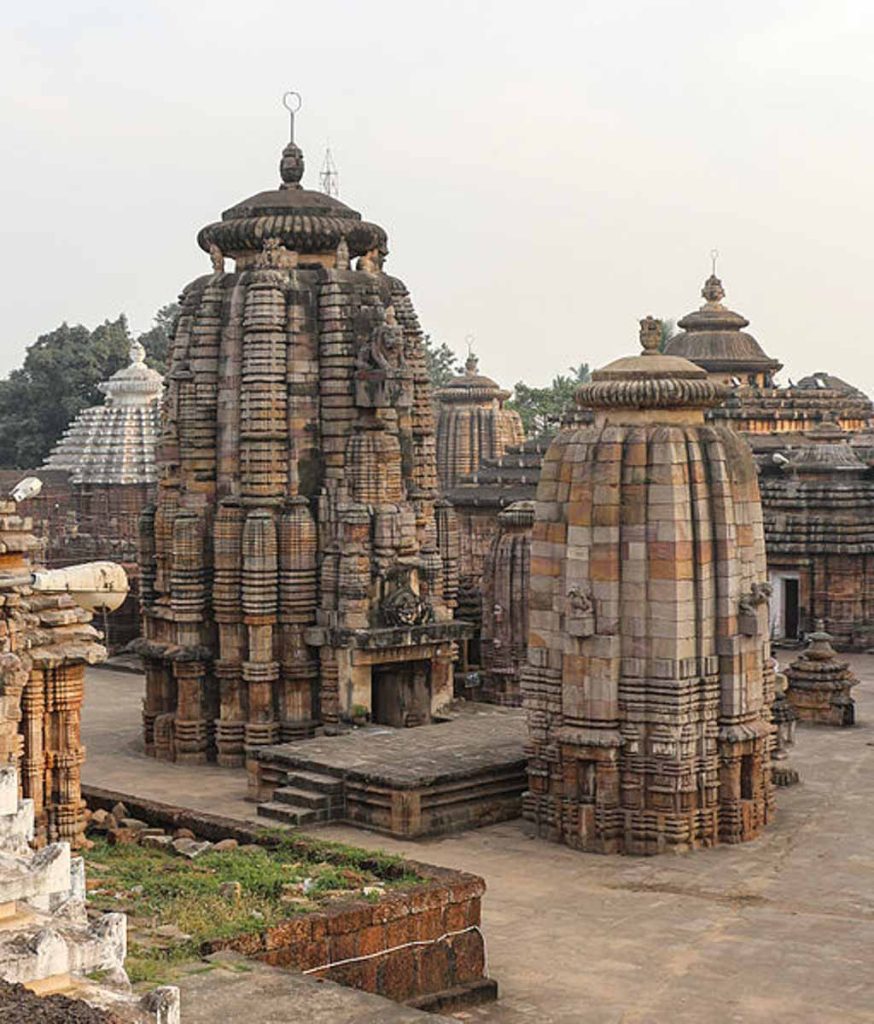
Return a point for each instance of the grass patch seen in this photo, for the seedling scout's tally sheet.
(176, 906)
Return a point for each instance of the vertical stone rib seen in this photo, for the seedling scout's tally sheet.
(226, 601)
(260, 587)
(263, 395)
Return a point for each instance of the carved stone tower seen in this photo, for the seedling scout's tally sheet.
(473, 424)
(293, 569)
(649, 681)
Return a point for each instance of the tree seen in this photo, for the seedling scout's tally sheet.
(59, 378)
(543, 409)
(668, 329)
(442, 362)
(156, 341)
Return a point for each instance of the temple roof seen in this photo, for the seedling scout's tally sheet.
(650, 380)
(471, 385)
(302, 220)
(822, 381)
(114, 443)
(713, 337)
(829, 457)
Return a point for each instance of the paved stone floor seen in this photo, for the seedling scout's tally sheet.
(238, 990)
(780, 929)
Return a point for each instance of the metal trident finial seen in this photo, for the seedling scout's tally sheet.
(714, 256)
(469, 340)
(292, 102)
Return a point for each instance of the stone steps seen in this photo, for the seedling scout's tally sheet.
(289, 814)
(314, 781)
(306, 798)
(302, 798)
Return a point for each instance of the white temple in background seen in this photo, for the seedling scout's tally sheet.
(114, 443)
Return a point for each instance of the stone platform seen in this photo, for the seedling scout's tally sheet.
(238, 989)
(462, 773)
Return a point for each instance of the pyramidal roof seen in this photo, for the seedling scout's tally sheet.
(114, 443)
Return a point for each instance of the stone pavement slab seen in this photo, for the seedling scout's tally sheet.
(250, 993)
(780, 929)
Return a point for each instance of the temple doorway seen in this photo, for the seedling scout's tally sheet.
(785, 606)
(401, 694)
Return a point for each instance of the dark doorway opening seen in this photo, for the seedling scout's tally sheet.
(401, 694)
(791, 614)
(746, 777)
(587, 781)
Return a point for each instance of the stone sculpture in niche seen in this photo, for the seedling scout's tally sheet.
(580, 618)
(382, 378)
(402, 606)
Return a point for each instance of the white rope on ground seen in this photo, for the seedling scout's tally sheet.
(407, 945)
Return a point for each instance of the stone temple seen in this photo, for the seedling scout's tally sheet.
(297, 569)
(97, 480)
(473, 424)
(649, 682)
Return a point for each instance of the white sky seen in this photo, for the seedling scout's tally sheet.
(547, 172)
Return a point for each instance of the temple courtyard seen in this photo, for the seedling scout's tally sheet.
(777, 929)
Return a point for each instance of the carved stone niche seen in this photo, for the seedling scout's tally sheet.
(580, 612)
(401, 606)
(382, 378)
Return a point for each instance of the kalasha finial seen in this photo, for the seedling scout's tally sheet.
(137, 353)
(713, 290)
(471, 364)
(650, 335)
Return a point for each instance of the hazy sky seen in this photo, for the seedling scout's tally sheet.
(547, 172)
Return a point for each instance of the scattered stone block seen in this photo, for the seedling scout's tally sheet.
(190, 848)
(156, 842)
(123, 837)
(231, 891)
(134, 823)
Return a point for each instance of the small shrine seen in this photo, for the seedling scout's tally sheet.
(473, 424)
(820, 683)
(649, 680)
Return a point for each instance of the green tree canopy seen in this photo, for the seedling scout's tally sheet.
(668, 329)
(542, 409)
(443, 364)
(156, 341)
(59, 378)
